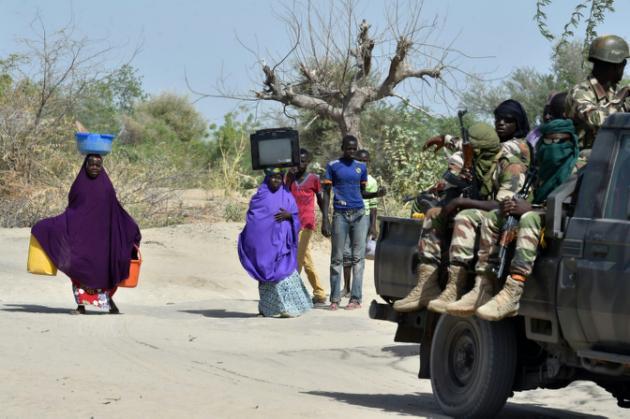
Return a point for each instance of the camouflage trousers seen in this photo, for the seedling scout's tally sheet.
(467, 226)
(434, 227)
(527, 239)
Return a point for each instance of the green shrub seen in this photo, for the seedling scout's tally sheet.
(234, 211)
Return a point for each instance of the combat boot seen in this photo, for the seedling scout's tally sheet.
(457, 276)
(481, 293)
(505, 303)
(426, 290)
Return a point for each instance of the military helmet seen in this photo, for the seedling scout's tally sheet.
(608, 48)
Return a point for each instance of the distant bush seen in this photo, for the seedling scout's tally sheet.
(38, 156)
(230, 160)
(234, 211)
(166, 116)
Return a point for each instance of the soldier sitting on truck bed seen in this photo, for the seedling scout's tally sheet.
(590, 102)
(497, 177)
(556, 159)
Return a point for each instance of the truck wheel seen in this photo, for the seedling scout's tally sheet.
(473, 363)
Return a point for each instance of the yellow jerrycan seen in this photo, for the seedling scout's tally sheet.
(38, 261)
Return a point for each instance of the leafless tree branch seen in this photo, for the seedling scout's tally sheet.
(337, 64)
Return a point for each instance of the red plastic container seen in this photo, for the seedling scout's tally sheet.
(134, 273)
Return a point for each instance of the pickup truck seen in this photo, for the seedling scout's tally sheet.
(574, 317)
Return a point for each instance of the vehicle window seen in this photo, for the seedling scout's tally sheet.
(617, 202)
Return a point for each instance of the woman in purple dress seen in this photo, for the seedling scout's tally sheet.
(267, 248)
(93, 240)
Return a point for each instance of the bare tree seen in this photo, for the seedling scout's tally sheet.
(337, 64)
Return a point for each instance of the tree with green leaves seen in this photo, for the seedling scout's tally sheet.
(165, 116)
(590, 12)
(529, 86)
(106, 100)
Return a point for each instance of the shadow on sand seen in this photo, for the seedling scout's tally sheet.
(423, 404)
(221, 314)
(34, 308)
(403, 351)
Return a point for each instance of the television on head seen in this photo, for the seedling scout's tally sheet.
(276, 147)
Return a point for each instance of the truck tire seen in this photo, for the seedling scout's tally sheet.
(473, 363)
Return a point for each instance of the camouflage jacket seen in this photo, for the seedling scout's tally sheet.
(511, 165)
(588, 103)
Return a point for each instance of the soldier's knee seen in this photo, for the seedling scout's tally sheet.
(530, 219)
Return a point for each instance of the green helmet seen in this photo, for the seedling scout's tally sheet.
(608, 48)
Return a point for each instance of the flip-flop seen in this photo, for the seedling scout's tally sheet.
(353, 305)
(333, 306)
(78, 310)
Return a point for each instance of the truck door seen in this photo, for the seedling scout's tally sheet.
(599, 284)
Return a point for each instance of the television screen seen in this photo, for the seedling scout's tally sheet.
(277, 147)
(274, 151)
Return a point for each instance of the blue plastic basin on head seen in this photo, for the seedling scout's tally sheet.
(94, 143)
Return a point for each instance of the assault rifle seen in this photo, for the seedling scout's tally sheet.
(462, 186)
(469, 156)
(510, 228)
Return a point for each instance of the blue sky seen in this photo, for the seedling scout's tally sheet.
(198, 38)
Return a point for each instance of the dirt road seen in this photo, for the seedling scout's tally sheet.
(189, 345)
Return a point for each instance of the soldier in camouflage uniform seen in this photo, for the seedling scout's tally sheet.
(590, 102)
(557, 158)
(500, 173)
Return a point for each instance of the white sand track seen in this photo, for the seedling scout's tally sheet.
(189, 345)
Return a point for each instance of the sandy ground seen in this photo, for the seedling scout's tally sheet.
(189, 345)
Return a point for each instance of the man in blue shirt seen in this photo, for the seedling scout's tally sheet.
(347, 178)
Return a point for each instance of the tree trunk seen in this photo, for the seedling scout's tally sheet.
(350, 124)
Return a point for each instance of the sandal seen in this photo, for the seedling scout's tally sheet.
(353, 305)
(333, 306)
(319, 300)
(79, 310)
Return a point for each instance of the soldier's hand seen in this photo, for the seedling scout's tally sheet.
(466, 174)
(437, 141)
(438, 187)
(516, 207)
(506, 206)
(623, 93)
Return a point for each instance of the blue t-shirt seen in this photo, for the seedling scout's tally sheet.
(346, 177)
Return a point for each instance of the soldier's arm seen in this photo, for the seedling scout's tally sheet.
(511, 179)
(466, 203)
(583, 105)
(439, 141)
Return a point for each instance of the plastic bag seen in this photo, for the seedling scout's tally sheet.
(370, 249)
